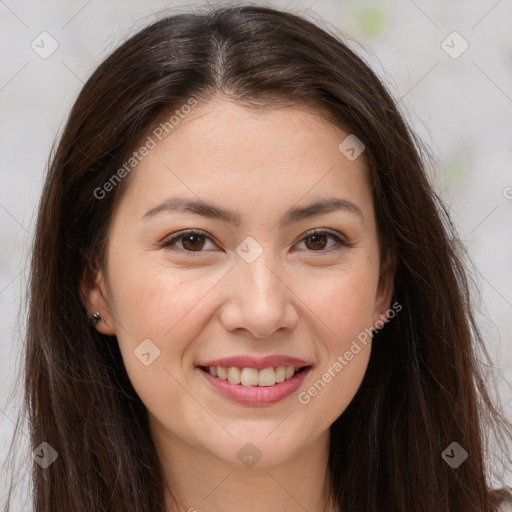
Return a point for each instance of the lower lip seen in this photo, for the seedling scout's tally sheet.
(256, 395)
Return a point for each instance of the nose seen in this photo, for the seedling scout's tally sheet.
(259, 300)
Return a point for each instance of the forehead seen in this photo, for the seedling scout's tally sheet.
(222, 128)
(225, 149)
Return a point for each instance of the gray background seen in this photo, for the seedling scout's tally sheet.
(461, 107)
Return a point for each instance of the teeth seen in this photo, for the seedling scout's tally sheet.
(252, 376)
(281, 373)
(290, 370)
(267, 377)
(249, 377)
(234, 375)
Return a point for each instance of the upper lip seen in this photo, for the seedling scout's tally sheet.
(257, 362)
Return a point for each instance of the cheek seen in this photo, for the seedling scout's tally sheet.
(343, 303)
(159, 305)
(336, 387)
(342, 300)
(345, 307)
(157, 314)
(153, 301)
(331, 389)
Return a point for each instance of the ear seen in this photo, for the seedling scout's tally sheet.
(94, 295)
(384, 290)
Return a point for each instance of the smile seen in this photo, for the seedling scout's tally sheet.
(270, 391)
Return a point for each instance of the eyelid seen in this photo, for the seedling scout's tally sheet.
(338, 237)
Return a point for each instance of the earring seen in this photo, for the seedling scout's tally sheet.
(95, 318)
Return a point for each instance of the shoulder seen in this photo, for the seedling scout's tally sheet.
(504, 499)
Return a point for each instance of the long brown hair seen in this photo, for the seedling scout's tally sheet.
(424, 388)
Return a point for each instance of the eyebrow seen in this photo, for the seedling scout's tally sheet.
(293, 215)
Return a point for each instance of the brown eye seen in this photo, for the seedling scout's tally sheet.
(191, 241)
(317, 241)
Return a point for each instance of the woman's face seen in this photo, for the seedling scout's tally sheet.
(254, 282)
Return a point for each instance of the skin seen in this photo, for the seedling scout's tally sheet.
(297, 298)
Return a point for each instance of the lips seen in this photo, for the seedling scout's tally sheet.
(256, 395)
(255, 381)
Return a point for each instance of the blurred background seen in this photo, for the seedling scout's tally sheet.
(448, 64)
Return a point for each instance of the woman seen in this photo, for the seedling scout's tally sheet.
(245, 293)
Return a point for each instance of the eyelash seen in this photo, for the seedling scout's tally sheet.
(169, 242)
